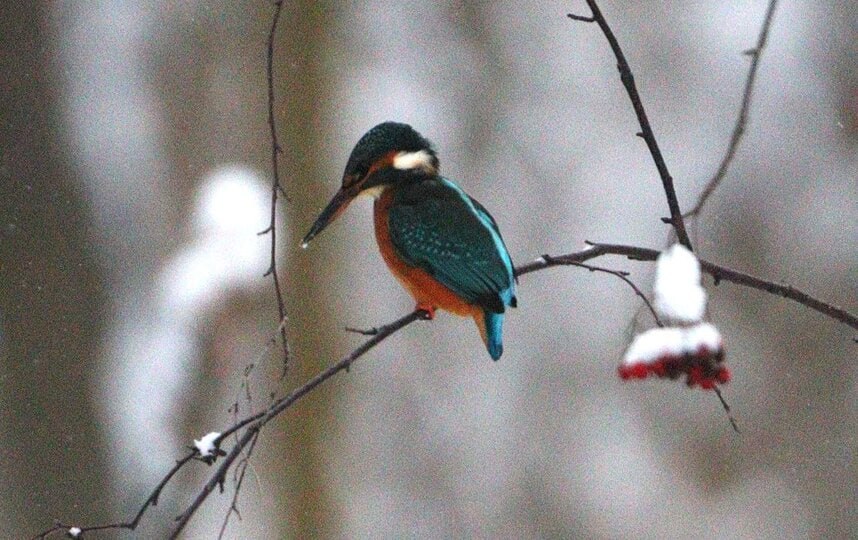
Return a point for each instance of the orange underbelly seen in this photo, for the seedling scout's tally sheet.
(423, 287)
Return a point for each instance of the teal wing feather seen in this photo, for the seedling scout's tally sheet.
(435, 226)
(481, 210)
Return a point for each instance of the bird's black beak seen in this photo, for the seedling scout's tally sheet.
(331, 212)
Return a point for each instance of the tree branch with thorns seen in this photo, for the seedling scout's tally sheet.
(244, 433)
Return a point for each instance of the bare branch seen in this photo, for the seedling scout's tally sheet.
(646, 133)
(364, 332)
(742, 121)
(276, 186)
(623, 276)
(726, 407)
(717, 272)
(581, 18)
(258, 421)
(150, 501)
(247, 430)
(233, 507)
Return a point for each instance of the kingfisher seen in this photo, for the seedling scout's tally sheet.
(440, 243)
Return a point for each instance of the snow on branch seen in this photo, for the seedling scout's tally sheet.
(689, 347)
(696, 352)
(679, 298)
(208, 447)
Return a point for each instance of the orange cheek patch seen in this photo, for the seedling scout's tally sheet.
(384, 161)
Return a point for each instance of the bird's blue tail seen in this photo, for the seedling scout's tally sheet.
(494, 334)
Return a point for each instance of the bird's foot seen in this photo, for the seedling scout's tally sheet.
(428, 311)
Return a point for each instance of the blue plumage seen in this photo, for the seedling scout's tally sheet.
(442, 245)
(494, 334)
(436, 226)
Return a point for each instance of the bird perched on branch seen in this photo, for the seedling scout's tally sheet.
(442, 245)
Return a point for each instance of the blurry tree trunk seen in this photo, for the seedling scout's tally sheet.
(302, 88)
(51, 303)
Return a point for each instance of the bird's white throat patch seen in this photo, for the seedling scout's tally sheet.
(415, 160)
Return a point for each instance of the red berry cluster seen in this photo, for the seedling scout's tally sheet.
(704, 368)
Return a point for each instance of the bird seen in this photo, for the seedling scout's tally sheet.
(440, 243)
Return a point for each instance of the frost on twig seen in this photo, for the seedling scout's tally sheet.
(689, 346)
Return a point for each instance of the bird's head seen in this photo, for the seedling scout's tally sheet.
(376, 161)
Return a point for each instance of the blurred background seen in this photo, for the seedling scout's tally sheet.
(135, 174)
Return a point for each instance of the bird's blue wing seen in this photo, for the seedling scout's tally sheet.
(435, 226)
(484, 214)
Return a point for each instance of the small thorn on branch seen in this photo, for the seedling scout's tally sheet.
(581, 18)
(667, 220)
(369, 332)
(618, 273)
(265, 231)
(269, 271)
(751, 52)
(639, 134)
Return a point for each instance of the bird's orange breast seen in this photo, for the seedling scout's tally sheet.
(423, 287)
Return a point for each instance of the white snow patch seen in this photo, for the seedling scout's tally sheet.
(657, 343)
(653, 344)
(703, 335)
(206, 446)
(678, 294)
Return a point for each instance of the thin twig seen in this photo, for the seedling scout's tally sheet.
(150, 501)
(716, 271)
(276, 186)
(364, 332)
(248, 369)
(646, 132)
(726, 407)
(255, 422)
(742, 120)
(258, 421)
(233, 507)
(623, 276)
